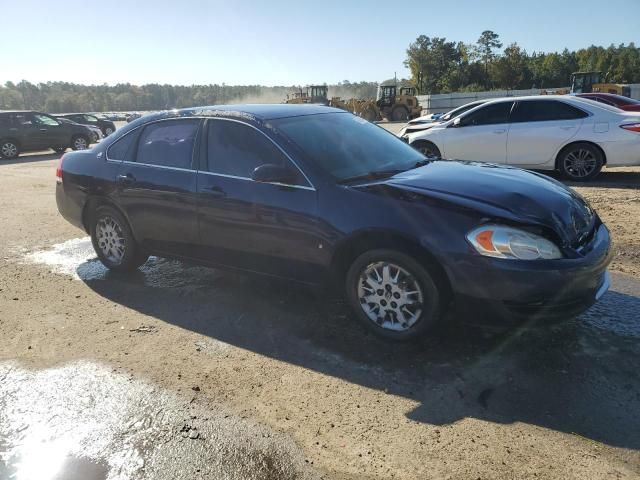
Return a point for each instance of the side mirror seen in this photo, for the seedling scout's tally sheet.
(457, 122)
(270, 173)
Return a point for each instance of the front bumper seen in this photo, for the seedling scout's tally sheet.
(546, 290)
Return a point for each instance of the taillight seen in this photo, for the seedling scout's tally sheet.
(59, 170)
(632, 127)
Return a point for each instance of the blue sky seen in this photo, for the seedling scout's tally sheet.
(277, 42)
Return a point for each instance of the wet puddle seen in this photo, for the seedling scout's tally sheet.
(76, 258)
(86, 422)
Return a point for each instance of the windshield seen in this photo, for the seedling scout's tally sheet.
(346, 146)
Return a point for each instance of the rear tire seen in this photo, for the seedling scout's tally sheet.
(9, 149)
(400, 303)
(580, 162)
(428, 149)
(113, 241)
(107, 131)
(79, 142)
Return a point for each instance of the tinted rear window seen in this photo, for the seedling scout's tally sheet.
(545, 110)
(168, 143)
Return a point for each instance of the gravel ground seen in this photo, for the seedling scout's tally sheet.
(187, 372)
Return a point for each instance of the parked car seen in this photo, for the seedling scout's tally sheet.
(572, 135)
(312, 193)
(613, 100)
(96, 133)
(428, 121)
(107, 127)
(22, 131)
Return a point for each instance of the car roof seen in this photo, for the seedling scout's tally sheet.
(255, 112)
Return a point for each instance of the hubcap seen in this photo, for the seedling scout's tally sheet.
(580, 163)
(111, 240)
(80, 143)
(390, 296)
(108, 131)
(9, 149)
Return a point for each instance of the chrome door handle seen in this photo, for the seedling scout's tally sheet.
(43, 129)
(499, 131)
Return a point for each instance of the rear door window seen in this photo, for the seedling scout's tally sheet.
(545, 111)
(494, 113)
(168, 143)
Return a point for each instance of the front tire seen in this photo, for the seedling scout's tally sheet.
(113, 241)
(580, 162)
(9, 149)
(393, 295)
(428, 149)
(400, 114)
(79, 142)
(59, 149)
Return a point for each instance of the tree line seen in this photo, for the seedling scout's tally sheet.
(63, 97)
(441, 66)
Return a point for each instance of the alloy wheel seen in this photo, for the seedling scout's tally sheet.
(108, 131)
(580, 163)
(111, 240)
(390, 296)
(9, 150)
(80, 143)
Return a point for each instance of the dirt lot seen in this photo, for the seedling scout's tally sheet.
(187, 372)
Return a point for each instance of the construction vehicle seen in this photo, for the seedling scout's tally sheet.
(391, 103)
(311, 94)
(588, 82)
(398, 105)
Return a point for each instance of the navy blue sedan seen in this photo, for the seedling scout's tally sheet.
(315, 194)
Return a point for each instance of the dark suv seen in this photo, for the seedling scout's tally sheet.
(107, 127)
(23, 131)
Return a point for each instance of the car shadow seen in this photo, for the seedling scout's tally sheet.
(579, 377)
(607, 179)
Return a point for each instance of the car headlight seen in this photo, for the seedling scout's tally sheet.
(500, 241)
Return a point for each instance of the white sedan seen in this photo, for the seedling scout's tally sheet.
(556, 132)
(428, 121)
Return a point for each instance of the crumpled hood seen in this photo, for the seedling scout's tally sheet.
(524, 196)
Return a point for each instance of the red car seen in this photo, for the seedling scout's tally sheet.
(623, 103)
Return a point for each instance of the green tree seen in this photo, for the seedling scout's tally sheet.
(486, 44)
(433, 63)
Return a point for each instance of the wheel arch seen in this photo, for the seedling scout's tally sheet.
(574, 142)
(358, 243)
(93, 203)
(13, 139)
